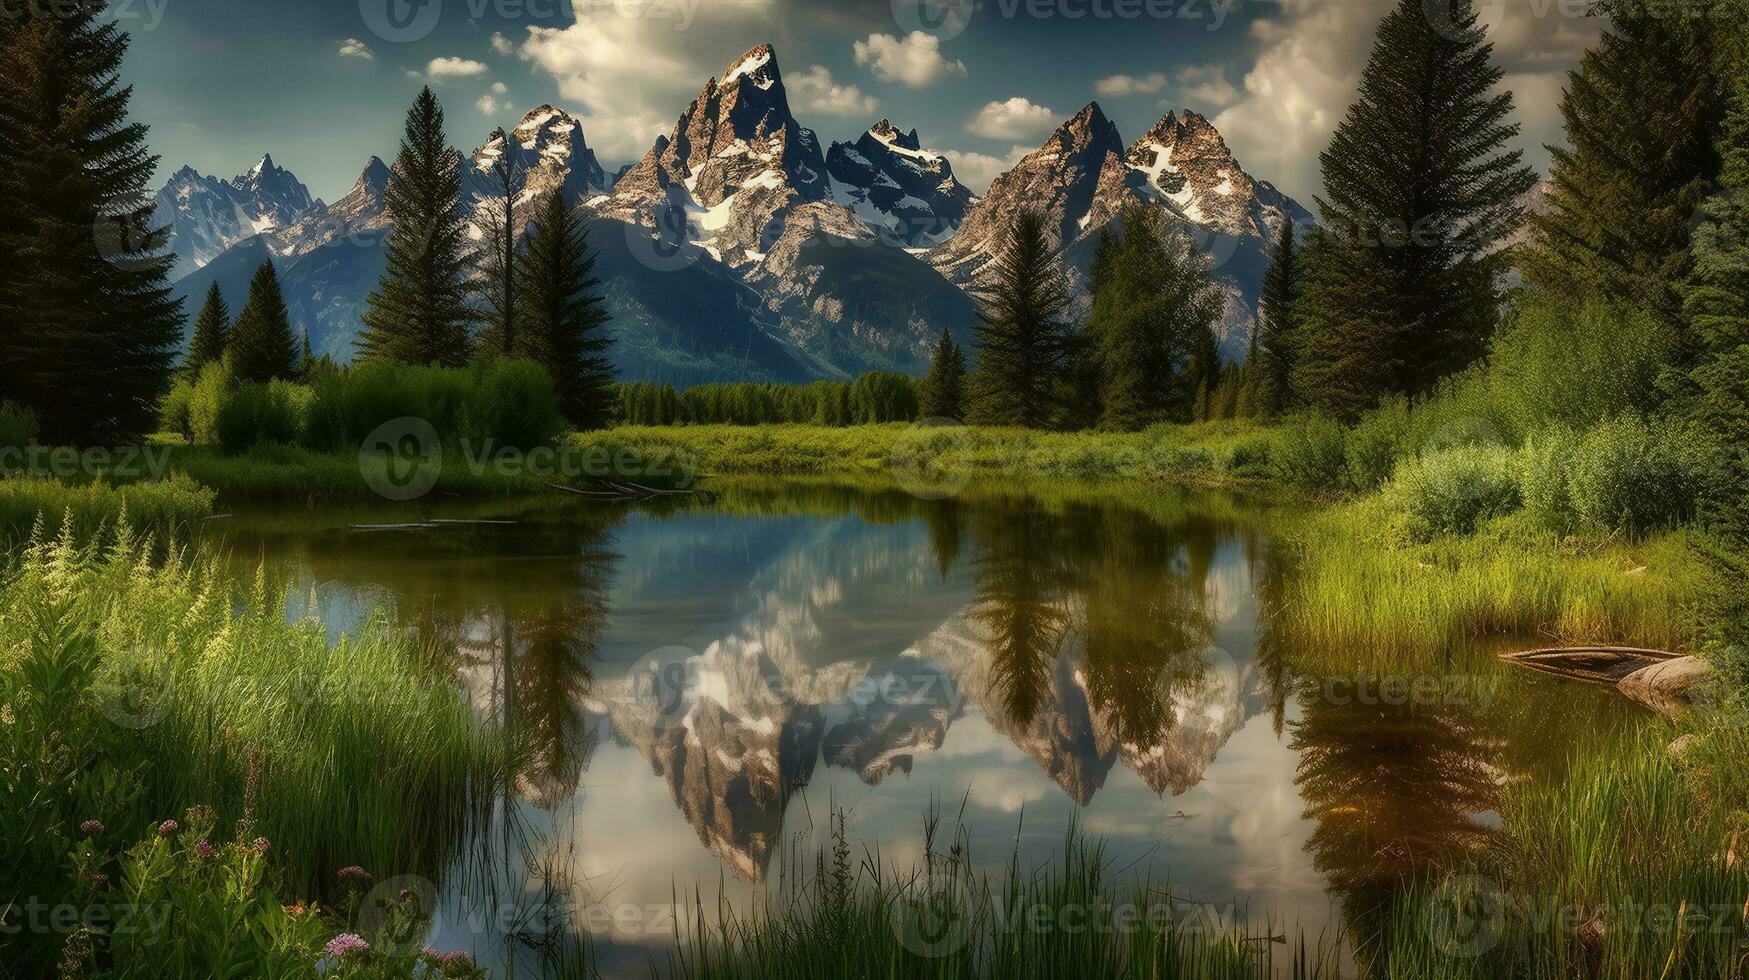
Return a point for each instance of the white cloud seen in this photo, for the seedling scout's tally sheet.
(414, 75)
(1014, 119)
(977, 170)
(631, 76)
(814, 91)
(1117, 86)
(487, 105)
(499, 88)
(441, 68)
(1205, 86)
(914, 61)
(352, 47)
(1308, 66)
(501, 44)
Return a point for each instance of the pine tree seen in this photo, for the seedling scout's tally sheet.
(89, 330)
(1153, 313)
(1272, 354)
(1643, 114)
(419, 313)
(1342, 360)
(212, 330)
(498, 262)
(1716, 302)
(1023, 340)
(563, 316)
(1419, 193)
(262, 348)
(943, 391)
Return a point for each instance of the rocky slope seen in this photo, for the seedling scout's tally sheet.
(1083, 177)
(546, 152)
(898, 188)
(207, 215)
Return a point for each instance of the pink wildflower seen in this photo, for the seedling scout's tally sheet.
(344, 943)
(91, 828)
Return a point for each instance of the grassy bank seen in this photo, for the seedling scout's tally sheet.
(141, 691)
(161, 508)
(1202, 453)
(1357, 591)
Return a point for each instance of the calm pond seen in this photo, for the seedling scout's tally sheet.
(703, 681)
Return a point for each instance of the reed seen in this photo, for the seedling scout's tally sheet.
(163, 508)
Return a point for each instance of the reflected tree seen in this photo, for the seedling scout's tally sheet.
(1022, 570)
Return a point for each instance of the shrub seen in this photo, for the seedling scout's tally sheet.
(205, 400)
(1251, 457)
(1453, 491)
(1632, 477)
(1371, 450)
(1311, 453)
(512, 403)
(252, 415)
(173, 410)
(1577, 364)
(17, 426)
(1545, 469)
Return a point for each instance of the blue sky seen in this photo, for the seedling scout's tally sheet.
(323, 84)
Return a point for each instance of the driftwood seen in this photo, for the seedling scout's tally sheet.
(1598, 665)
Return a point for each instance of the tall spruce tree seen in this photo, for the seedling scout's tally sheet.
(1269, 368)
(212, 329)
(89, 329)
(262, 347)
(562, 315)
(942, 394)
(1023, 339)
(1643, 114)
(419, 313)
(1716, 303)
(1153, 314)
(1419, 193)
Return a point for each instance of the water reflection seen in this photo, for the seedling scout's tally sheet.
(695, 687)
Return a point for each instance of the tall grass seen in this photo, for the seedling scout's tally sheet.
(1358, 590)
(160, 508)
(941, 920)
(1624, 870)
(364, 751)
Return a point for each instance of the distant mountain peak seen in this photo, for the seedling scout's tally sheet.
(758, 65)
(887, 133)
(207, 215)
(897, 187)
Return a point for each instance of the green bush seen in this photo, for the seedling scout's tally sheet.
(204, 402)
(254, 415)
(1577, 364)
(1453, 491)
(510, 403)
(1634, 477)
(1371, 450)
(173, 410)
(17, 426)
(1311, 453)
(1545, 469)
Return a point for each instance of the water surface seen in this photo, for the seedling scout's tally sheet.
(704, 682)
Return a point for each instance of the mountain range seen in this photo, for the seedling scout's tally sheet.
(740, 248)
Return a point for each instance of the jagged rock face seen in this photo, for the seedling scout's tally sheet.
(207, 215)
(1188, 163)
(1076, 180)
(360, 212)
(1083, 177)
(546, 152)
(736, 161)
(732, 779)
(897, 187)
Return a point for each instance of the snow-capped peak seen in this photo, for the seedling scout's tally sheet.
(759, 65)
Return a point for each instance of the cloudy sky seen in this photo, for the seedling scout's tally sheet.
(323, 84)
